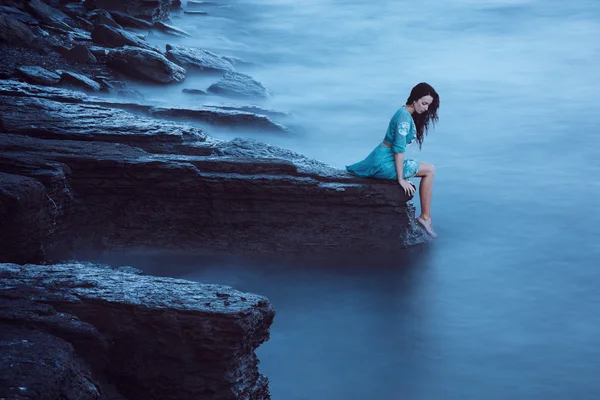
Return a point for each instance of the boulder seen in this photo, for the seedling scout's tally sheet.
(48, 14)
(102, 17)
(108, 36)
(145, 64)
(37, 75)
(199, 59)
(79, 81)
(74, 330)
(80, 54)
(126, 20)
(235, 84)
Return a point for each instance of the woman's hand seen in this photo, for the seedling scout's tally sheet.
(407, 185)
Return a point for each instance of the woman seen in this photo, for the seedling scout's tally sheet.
(387, 161)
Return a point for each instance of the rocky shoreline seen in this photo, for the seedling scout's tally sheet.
(87, 163)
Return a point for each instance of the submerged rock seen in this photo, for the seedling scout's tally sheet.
(76, 330)
(166, 28)
(199, 59)
(145, 64)
(235, 84)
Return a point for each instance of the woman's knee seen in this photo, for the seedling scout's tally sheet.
(426, 169)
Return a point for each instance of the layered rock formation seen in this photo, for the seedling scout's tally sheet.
(85, 331)
(81, 168)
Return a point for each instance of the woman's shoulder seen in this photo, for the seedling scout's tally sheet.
(402, 114)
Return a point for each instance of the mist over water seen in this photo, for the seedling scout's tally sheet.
(505, 303)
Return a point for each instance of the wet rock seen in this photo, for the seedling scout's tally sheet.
(79, 81)
(219, 117)
(150, 10)
(171, 30)
(38, 75)
(102, 17)
(80, 54)
(235, 84)
(16, 33)
(129, 21)
(200, 59)
(86, 122)
(108, 36)
(156, 326)
(145, 64)
(48, 14)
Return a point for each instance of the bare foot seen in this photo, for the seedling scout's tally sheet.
(426, 224)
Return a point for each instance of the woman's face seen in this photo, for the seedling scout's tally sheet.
(422, 105)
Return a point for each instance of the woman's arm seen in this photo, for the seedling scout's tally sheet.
(408, 187)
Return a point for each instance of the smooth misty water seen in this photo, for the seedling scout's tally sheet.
(505, 304)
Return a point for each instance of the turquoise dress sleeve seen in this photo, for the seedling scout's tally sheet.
(401, 131)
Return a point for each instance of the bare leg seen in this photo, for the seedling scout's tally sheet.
(426, 173)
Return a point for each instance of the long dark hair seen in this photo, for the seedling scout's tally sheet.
(422, 120)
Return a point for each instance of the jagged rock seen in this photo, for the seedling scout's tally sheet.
(129, 21)
(109, 36)
(102, 17)
(236, 60)
(16, 33)
(235, 84)
(86, 122)
(249, 109)
(219, 117)
(170, 29)
(192, 58)
(152, 338)
(98, 51)
(38, 75)
(151, 10)
(80, 54)
(83, 23)
(48, 14)
(80, 35)
(78, 80)
(141, 63)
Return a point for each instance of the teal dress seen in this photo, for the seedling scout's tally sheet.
(380, 163)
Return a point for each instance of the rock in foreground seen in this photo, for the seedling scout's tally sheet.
(75, 331)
